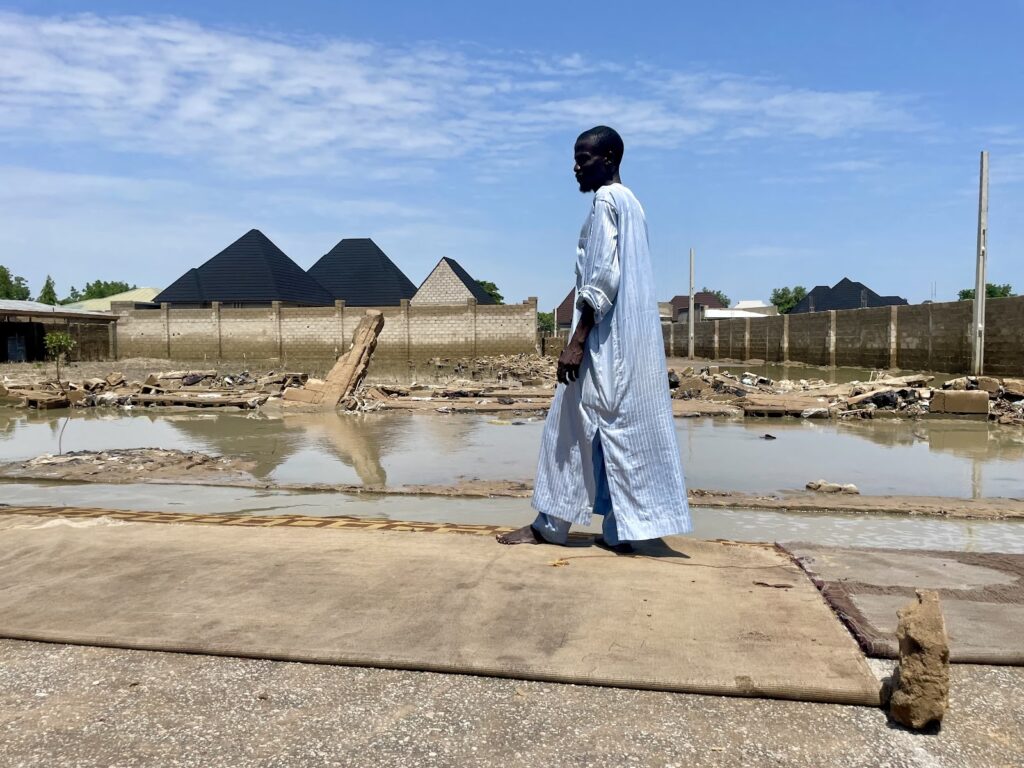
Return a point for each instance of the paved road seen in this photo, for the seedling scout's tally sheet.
(79, 706)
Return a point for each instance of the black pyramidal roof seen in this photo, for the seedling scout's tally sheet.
(481, 296)
(250, 270)
(357, 271)
(846, 294)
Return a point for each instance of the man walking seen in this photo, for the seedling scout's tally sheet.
(609, 444)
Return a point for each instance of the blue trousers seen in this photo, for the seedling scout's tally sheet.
(556, 531)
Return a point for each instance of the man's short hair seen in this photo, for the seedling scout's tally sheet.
(607, 140)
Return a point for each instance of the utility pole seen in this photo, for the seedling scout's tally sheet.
(689, 315)
(980, 293)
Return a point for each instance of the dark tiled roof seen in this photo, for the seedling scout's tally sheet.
(359, 272)
(250, 270)
(185, 286)
(563, 314)
(481, 296)
(846, 294)
(703, 298)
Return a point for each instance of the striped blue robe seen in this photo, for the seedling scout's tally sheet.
(620, 403)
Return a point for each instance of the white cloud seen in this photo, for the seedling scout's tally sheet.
(852, 165)
(273, 105)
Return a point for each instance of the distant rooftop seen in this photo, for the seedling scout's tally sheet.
(358, 272)
(252, 270)
(137, 295)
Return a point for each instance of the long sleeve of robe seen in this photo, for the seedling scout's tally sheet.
(621, 397)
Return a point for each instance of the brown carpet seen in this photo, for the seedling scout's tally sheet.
(692, 616)
(982, 596)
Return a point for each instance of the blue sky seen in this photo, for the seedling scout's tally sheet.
(788, 142)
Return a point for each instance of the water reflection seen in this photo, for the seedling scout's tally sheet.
(945, 458)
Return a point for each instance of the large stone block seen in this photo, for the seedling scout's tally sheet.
(956, 402)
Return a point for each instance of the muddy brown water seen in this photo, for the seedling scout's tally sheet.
(965, 459)
(898, 457)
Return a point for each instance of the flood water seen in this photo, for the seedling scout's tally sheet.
(942, 458)
(889, 531)
(935, 458)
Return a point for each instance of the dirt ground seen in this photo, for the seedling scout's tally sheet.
(92, 707)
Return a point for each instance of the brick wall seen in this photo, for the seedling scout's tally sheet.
(927, 337)
(1004, 336)
(442, 286)
(321, 333)
(862, 337)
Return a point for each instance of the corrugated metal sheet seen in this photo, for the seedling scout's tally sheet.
(139, 295)
(35, 308)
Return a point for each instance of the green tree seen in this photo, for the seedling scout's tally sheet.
(546, 322)
(786, 298)
(492, 289)
(49, 294)
(992, 291)
(58, 344)
(726, 301)
(13, 286)
(97, 289)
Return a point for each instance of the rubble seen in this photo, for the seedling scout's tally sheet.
(960, 402)
(920, 685)
(823, 486)
(128, 466)
(514, 370)
(526, 382)
(348, 372)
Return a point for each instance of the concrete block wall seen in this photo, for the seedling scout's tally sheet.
(141, 332)
(926, 337)
(313, 333)
(193, 334)
(442, 331)
(498, 324)
(279, 333)
(245, 334)
(862, 337)
(1004, 336)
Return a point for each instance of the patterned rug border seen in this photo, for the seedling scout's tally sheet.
(254, 521)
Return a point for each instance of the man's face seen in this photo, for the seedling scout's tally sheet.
(592, 169)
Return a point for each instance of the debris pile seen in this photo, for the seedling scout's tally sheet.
(460, 396)
(513, 370)
(883, 395)
(126, 465)
(202, 389)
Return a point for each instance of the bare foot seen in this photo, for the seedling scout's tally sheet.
(625, 548)
(524, 535)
